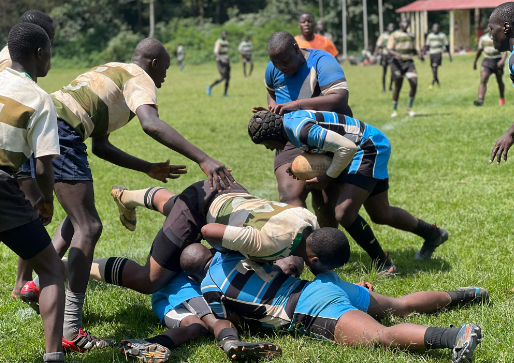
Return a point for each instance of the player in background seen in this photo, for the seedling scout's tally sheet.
(245, 50)
(223, 63)
(501, 28)
(402, 48)
(95, 104)
(357, 177)
(181, 55)
(492, 63)
(436, 44)
(28, 124)
(385, 59)
(307, 79)
(309, 39)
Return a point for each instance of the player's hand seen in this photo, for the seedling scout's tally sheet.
(289, 170)
(502, 146)
(284, 108)
(500, 63)
(366, 284)
(319, 183)
(216, 173)
(45, 209)
(256, 109)
(164, 171)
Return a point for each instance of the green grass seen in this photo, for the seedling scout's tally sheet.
(439, 172)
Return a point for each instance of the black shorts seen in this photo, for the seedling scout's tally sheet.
(224, 68)
(491, 65)
(385, 60)
(403, 68)
(182, 227)
(436, 59)
(246, 57)
(372, 185)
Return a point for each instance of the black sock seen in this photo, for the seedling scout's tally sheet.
(440, 338)
(362, 234)
(228, 334)
(163, 340)
(462, 297)
(425, 230)
(114, 270)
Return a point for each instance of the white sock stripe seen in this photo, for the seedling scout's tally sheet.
(115, 270)
(149, 197)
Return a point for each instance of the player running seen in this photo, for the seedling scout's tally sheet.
(221, 55)
(28, 124)
(402, 47)
(436, 43)
(385, 59)
(309, 39)
(181, 55)
(245, 50)
(95, 104)
(333, 309)
(357, 176)
(492, 64)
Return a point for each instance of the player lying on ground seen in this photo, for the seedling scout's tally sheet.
(28, 124)
(329, 307)
(95, 104)
(357, 176)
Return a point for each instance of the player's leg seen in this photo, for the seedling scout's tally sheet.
(251, 66)
(384, 74)
(244, 66)
(501, 86)
(219, 80)
(435, 79)
(227, 79)
(413, 81)
(324, 203)
(291, 191)
(485, 73)
(398, 82)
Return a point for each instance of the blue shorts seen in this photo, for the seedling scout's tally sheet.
(72, 164)
(324, 301)
(372, 155)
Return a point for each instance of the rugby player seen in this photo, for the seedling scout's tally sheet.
(95, 104)
(245, 49)
(357, 176)
(307, 79)
(492, 63)
(180, 57)
(402, 48)
(331, 308)
(501, 25)
(382, 41)
(436, 43)
(309, 39)
(28, 124)
(221, 55)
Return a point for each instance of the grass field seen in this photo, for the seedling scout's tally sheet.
(439, 171)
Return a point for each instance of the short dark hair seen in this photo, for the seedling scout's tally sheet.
(150, 48)
(266, 125)
(305, 13)
(39, 18)
(506, 12)
(24, 39)
(331, 246)
(280, 40)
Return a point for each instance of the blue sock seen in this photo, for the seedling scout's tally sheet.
(411, 102)
(395, 105)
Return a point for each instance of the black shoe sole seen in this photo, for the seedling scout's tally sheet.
(244, 351)
(151, 354)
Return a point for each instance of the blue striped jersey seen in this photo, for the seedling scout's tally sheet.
(253, 290)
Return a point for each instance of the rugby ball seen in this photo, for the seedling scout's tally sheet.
(308, 166)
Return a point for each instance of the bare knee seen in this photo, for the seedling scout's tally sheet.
(92, 230)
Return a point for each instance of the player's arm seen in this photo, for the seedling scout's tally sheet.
(246, 240)
(390, 47)
(502, 146)
(449, 53)
(378, 46)
(44, 172)
(102, 147)
(479, 53)
(160, 131)
(501, 62)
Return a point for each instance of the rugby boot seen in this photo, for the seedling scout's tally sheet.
(144, 351)
(471, 295)
(501, 101)
(128, 216)
(387, 269)
(478, 102)
(30, 295)
(467, 340)
(238, 350)
(85, 342)
(411, 113)
(438, 238)
(394, 114)
(208, 90)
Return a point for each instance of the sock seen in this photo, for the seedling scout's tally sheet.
(57, 357)
(395, 105)
(439, 338)
(139, 198)
(460, 297)
(228, 334)
(73, 314)
(425, 230)
(410, 103)
(108, 270)
(362, 234)
(163, 340)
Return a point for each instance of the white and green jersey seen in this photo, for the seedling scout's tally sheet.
(486, 44)
(5, 58)
(105, 98)
(259, 229)
(245, 48)
(402, 43)
(382, 41)
(436, 42)
(221, 49)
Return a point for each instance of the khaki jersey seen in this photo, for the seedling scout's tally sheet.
(403, 43)
(221, 49)
(436, 42)
(259, 229)
(105, 98)
(382, 42)
(245, 47)
(5, 59)
(28, 122)
(486, 44)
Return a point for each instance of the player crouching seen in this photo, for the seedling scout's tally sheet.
(357, 175)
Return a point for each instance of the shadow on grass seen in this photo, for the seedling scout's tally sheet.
(433, 114)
